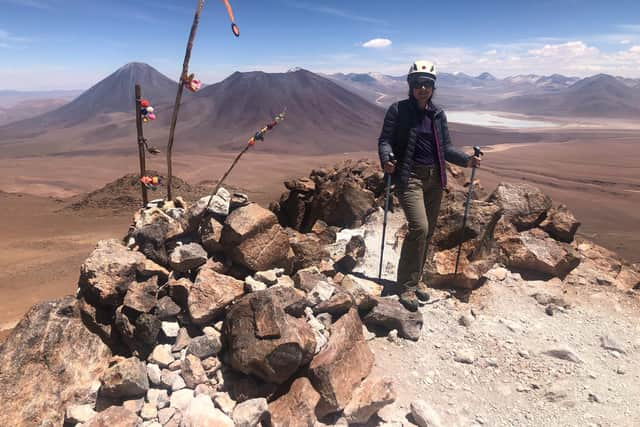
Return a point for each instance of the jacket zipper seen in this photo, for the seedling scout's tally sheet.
(443, 179)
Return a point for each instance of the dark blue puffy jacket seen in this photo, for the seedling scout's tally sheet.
(399, 137)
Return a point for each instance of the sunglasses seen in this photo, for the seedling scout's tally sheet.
(421, 83)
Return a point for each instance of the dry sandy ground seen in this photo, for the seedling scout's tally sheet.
(596, 173)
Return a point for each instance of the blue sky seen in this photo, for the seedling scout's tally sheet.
(71, 44)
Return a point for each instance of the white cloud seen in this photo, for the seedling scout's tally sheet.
(377, 43)
(491, 52)
(626, 41)
(564, 50)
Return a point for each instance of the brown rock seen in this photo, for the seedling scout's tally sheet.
(125, 379)
(297, 407)
(372, 394)
(308, 278)
(360, 289)
(308, 249)
(150, 269)
(192, 371)
(599, 266)
(303, 185)
(389, 314)
(114, 416)
(141, 296)
(440, 270)
(481, 220)
(534, 251)
(274, 359)
(524, 204)
(326, 234)
(344, 204)
(560, 224)
(49, 361)
(210, 294)
(245, 222)
(107, 273)
(179, 290)
(629, 278)
(211, 234)
(264, 250)
(337, 305)
(340, 367)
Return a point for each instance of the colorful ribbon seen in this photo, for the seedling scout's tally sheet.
(259, 135)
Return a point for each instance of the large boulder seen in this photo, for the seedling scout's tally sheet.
(254, 239)
(340, 367)
(534, 251)
(525, 205)
(560, 224)
(141, 296)
(210, 294)
(297, 407)
(263, 339)
(481, 220)
(49, 362)
(344, 203)
(106, 275)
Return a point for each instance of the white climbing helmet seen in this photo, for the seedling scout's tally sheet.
(422, 70)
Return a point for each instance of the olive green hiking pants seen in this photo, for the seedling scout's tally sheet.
(420, 199)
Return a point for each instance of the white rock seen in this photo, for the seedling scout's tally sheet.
(250, 412)
(79, 413)
(611, 344)
(286, 282)
(154, 374)
(157, 397)
(202, 413)
(170, 329)
(253, 285)
(269, 277)
(178, 383)
(225, 402)
(320, 293)
(133, 405)
(424, 415)
(181, 399)
(161, 355)
(564, 353)
(465, 356)
(149, 411)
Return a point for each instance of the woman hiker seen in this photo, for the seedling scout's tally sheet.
(413, 146)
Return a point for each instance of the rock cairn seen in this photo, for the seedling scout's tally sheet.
(234, 314)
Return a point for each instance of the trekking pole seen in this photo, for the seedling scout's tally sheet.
(387, 179)
(476, 153)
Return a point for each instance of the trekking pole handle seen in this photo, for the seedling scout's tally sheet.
(477, 152)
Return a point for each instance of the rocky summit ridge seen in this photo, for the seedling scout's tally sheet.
(223, 313)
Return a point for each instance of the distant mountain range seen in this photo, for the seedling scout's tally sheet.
(325, 114)
(600, 95)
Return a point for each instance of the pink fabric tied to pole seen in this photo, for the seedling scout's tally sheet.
(194, 85)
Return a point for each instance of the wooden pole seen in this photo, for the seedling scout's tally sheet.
(141, 154)
(176, 107)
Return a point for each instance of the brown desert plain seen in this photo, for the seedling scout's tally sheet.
(594, 170)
